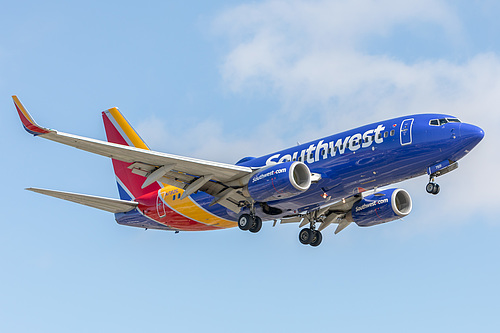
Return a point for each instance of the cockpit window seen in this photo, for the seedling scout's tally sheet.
(442, 121)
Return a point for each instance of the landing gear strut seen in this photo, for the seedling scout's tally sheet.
(432, 188)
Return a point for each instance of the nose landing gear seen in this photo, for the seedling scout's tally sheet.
(432, 188)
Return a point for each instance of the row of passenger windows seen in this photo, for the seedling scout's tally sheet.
(439, 122)
(354, 143)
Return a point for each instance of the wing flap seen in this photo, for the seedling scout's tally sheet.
(333, 213)
(106, 204)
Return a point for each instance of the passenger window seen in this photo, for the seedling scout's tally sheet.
(386, 134)
(393, 132)
(380, 135)
(178, 196)
(173, 198)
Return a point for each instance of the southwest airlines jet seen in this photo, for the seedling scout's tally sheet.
(333, 180)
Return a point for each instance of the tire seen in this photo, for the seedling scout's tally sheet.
(430, 188)
(245, 222)
(305, 236)
(257, 225)
(316, 239)
(437, 188)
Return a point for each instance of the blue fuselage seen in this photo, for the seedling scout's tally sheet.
(367, 157)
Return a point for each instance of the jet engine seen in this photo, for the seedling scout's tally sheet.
(279, 181)
(380, 207)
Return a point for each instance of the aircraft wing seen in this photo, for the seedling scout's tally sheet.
(107, 204)
(188, 173)
(330, 213)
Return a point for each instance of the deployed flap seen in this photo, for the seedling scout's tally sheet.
(107, 204)
(333, 213)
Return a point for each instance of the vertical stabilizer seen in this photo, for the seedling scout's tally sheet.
(118, 130)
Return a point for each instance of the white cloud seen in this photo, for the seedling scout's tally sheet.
(311, 56)
(207, 140)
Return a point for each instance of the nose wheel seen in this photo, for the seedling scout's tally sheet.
(432, 188)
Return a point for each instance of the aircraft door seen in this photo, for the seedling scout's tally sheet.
(160, 205)
(405, 133)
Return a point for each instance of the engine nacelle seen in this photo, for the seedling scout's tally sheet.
(380, 207)
(280, 181)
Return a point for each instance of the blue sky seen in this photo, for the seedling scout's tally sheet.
(225, 79)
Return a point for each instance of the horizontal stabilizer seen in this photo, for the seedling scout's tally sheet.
(107, 204)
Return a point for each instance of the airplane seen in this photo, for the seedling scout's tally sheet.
(336, 180)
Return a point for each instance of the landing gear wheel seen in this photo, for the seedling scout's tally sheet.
(316, 239)
(257, 224)
(306, 236)
(245, 222)
(432, 188)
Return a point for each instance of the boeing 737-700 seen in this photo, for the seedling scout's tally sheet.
(332, 180)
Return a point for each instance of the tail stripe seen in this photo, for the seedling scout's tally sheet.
(127, 132)
(184, 214)
(118, 130)
(123, 191)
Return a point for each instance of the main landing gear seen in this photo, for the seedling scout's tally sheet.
(432, 188)
(249, 222)
(309, 236)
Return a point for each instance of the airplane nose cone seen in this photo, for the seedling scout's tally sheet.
(472, 133)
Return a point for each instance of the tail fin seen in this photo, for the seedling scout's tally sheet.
(118, 130)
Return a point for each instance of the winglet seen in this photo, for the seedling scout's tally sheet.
(29, 124)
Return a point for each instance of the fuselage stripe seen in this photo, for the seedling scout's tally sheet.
(190, 209)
